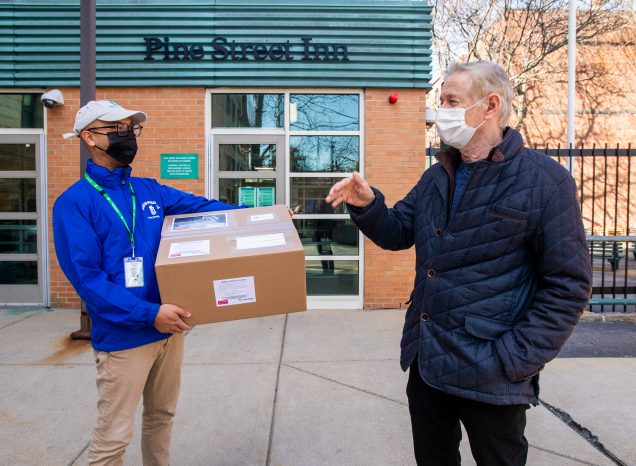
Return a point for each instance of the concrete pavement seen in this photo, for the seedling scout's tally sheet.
(314, 388)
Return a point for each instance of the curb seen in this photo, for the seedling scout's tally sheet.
(626, 317)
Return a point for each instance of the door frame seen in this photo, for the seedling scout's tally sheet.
(34, 295)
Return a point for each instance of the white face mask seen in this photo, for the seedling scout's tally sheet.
(452, 128)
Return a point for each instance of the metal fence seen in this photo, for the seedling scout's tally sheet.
(605, 180)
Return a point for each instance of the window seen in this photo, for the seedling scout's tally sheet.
(247, 110)
(324, 112)
(324, 139)
(21, 111)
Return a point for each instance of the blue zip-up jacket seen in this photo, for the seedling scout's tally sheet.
(91, 243)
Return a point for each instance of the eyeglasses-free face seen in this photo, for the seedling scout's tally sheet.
(122, 129)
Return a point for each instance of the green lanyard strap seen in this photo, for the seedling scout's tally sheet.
(101, 191)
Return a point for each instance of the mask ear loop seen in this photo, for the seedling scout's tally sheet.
(476, 103)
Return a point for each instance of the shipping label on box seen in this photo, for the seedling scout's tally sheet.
(232, 291)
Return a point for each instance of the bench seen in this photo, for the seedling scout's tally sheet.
(610, 250)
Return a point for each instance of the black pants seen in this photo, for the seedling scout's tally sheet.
(495, 432)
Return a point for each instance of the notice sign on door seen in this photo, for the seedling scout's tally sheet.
(179, 166)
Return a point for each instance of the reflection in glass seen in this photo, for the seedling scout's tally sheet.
(252, 192)
(17, 157)
(17, 195)
(327, 237)
(341, 279)
(308, 196)
(21, 111)
(247, 110)
(324, 112)
(18, 237)
(324, 153)
(18, 273)
(247, 157)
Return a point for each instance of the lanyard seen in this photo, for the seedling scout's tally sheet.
(116, 209)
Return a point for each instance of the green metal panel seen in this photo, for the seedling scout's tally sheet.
(388, 43)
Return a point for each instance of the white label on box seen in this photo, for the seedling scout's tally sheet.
(261, 217)
(233, 291)
(190, 248)
(260, 241)
(198, 222)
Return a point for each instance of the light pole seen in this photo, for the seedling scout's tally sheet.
(87, 93)
(571, 79)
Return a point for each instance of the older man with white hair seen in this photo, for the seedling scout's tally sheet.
(502, 272)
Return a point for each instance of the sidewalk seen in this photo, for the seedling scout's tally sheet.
(314, 388)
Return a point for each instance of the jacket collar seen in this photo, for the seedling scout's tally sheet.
(105, 177)
(510, 146)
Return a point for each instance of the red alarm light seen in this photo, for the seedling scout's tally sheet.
(393, 98)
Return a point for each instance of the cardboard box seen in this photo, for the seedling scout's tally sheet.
(232, 264)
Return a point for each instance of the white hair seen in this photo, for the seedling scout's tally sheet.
(486, 77)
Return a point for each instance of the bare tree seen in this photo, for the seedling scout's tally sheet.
(528, 38)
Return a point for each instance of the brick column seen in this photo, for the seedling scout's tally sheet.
(395, 143)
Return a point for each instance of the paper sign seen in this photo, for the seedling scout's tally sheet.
(190, 248)
(260, 241)
(234, 291)
(198, 222)
(261, 217)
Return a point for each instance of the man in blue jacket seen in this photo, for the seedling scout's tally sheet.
(107, 229)
(502, 272)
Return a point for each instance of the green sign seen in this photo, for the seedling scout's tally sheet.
(257, 197)
(179, 166)
(247, 196)
(265, 197)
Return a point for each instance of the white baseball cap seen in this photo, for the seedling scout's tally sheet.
(105, 110)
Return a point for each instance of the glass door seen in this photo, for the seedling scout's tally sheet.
(249, 169)
(21, 268)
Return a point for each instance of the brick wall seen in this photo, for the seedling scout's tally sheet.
(175, 124)
(394, 161)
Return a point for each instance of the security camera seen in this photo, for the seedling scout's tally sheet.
(52, 98)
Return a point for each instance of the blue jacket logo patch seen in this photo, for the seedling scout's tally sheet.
(153, 209)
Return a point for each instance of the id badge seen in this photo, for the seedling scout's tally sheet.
(134, 271)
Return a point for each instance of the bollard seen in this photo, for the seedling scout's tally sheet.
(84, 333)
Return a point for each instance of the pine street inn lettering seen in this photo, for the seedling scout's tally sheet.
(220, 48)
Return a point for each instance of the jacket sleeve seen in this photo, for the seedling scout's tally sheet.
(389, 228)
(564, 281)
(79, 253)
(179, 202)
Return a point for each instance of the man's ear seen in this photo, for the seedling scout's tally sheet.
(493, 106)
(88, 138)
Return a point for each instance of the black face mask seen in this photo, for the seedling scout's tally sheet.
(121, 148)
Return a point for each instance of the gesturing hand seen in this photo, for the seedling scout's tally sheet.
(168, 319)
(354, 190)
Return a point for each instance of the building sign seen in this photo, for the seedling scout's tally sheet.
(179, 166)
(221, 49)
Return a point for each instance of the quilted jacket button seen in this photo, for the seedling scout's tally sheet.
(425, 317)
(438, 232)
(431, 273)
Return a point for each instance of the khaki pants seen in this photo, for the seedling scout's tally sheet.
(152, 370)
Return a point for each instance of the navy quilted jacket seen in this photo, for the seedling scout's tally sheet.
(499, 287)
